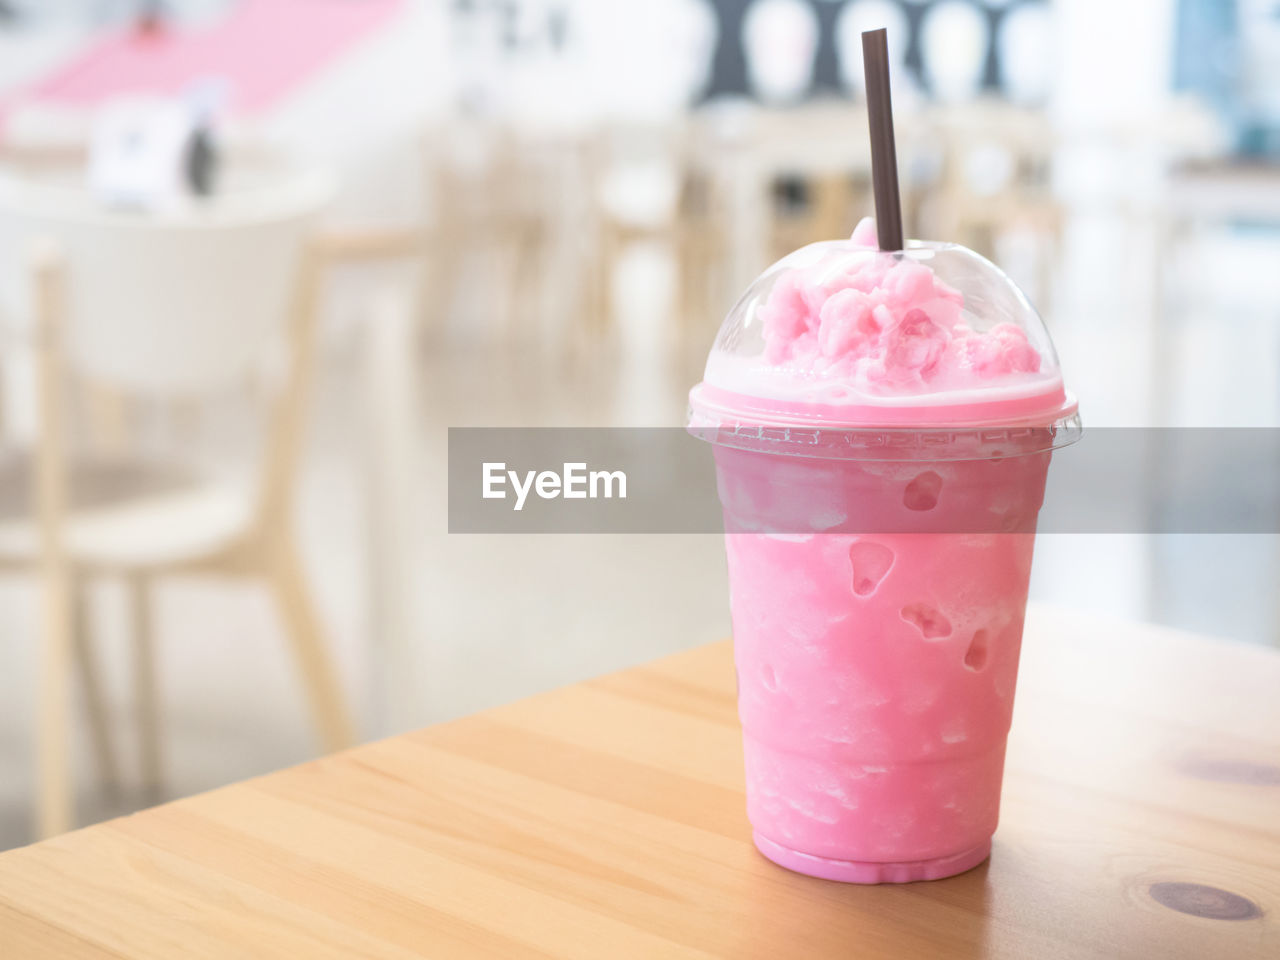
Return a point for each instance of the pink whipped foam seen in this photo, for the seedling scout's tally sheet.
(860, 328)
(886, 325)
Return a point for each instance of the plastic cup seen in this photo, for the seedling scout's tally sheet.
(879, 554)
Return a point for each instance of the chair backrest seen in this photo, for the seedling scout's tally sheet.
(165, 304)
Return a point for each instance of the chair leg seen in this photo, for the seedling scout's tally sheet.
(599, 315)
(54, 801)
(523, 307)
(146, 686)
(48, 490)
(91, 689)
(309, 648)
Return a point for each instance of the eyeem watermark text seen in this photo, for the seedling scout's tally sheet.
(574, 482)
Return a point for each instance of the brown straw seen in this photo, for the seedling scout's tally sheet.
(884, 156)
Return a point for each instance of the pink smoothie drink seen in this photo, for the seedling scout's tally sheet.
(883, 425)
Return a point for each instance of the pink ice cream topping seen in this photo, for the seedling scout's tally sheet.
(888, 324)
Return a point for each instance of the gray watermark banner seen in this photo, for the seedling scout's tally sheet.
(663, 480)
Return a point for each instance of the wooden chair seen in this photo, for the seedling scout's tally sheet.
(165, 307)
(996, 177)
(492, 200)
(649, 183)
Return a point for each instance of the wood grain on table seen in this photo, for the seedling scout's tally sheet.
(1141, 819)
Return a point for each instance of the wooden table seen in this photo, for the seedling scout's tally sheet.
(605, 820)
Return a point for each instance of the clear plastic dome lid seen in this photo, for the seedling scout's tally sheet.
(841, 334)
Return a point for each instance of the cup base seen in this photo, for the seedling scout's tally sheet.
(870, 871)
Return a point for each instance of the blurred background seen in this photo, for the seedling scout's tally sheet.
(256, 256)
